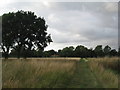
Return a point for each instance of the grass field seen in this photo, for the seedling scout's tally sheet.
(106, 69)
(60, 73)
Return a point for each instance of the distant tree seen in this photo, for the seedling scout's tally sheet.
(91, 53)
(71, 51)
(59, 52)
(81, 51)
(46, 54)
(107, 50)
(49, 53)
(24, 31)
(99, 51)
(38, 53)
(67, 52)
(113, 52)
(119, 51)
(52, 52)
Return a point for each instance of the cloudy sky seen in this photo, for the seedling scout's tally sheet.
(74, 23)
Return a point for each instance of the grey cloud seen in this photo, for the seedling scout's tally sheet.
(59, 37)
(106, 7)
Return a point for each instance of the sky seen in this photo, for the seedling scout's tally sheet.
(73, 23)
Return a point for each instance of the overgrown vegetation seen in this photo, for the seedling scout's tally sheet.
(60, 73)
(37, 73)
(104, 69)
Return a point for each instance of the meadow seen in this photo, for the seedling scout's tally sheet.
(37, 73)
(107, 70)
(60, 73)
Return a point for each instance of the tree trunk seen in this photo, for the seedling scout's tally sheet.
(18, 56)
(19, 51)
(6, 53)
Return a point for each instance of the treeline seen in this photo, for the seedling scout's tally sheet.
(79, 51)
(24, 34)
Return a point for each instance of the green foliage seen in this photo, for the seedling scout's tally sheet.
(67, 52)
(7, 33)
(81, 51)
(49, 53)
(107, 50)
(113, 52)
(99, 51)
(119, 51)
(24, 31)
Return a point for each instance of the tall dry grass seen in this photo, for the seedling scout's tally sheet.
(103, 69)
(37, 73)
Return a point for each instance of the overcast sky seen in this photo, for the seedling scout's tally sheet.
(74, 23)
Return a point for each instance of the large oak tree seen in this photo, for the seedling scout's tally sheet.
(22, 31)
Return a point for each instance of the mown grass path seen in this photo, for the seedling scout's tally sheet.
(83, 77)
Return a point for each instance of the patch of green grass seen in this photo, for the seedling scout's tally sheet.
(83, 77)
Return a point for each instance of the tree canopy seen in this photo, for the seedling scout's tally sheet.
(22, 31)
